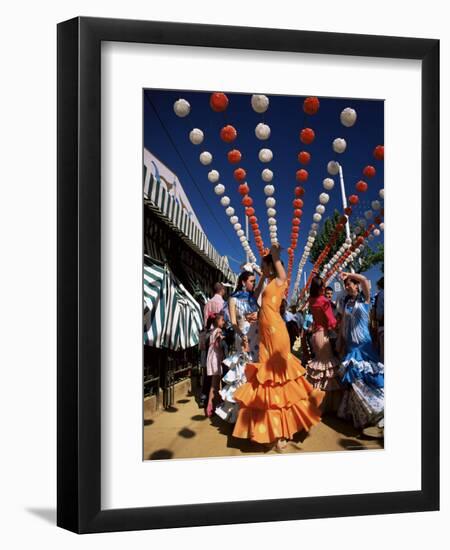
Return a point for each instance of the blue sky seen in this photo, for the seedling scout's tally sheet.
(286, 118)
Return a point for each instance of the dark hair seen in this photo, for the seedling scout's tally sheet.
(328, 288)
(352, 280)
(243, 277)
(268, 258)
(218, 287)
(316, 287)
(380, 283)
(212, 320)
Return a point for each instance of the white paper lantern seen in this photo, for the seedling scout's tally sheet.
(376, 232)
(338, 253)
(339, 145)
(196, 136)
(270, 202)
(333, 168)
(328, 184)
(348, 117)
(271, 212)
(267, 175)
(345, 246)
(317, 217)
(348, 240)
(234, 219)
(312, 233)
(310, 239)
(181, 108)
(237, 226)
(262, 131)
(269, 190)
(272, 221)
(265, 155)
(243, 238)
(362, 222)
(357, 230)
(240, 232)
(376, 205)
(320, 208)
(324, 198)
(368, 214)
(229, 211)
(260, 103)
(225, 201)
(213, 176)
(315, 226)
(273, 228)
(371, 237)
(219, 189)
(381, 193)
(274, 240)
(206, 158)
(382, 226)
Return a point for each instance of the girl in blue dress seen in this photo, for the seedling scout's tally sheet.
(361, 371)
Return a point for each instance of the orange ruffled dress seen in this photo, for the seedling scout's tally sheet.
(277, 401)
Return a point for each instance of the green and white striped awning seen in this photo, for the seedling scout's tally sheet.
(177, 217)
(172, 317)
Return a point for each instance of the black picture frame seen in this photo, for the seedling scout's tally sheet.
(79, 280)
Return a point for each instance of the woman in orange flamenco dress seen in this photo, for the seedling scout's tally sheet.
(277, 401)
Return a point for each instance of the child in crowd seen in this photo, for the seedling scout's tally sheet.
(215, 358)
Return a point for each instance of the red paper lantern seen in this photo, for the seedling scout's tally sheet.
(257, 232)
(228, 133)
(339, 228)
(301, 175)
(378, 219)
(234, 156)
(348, 210)
(218, 102)
(343, 220)
(244, 189)
(369, 171)
(290, 251)
(307, 136)
(255, 227)
(299, 191)
(371, 226)
(295, 221)
(298, 212)
(304, 157)
(247, 201)
(250, 211)
(240, 174)
(297, 203)
(361, 186)
(359, 240)
(253, 219)
(353, 199)
(311, 105)
(295, 230)
(378, 152)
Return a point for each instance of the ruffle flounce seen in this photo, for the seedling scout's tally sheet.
(277, 370)
(323, 375)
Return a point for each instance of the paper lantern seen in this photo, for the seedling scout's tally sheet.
(307, 136)
(369, 171)
(339, 145)
(237, 226)
(269, 190)
(381, 193)
(376, 205)
(234, 220)
(271, 212)
(298, 213)
(270, 202)
(324, 198)
(228, 133)
(348, 117)
(353, 199)
(361, 186)
(260, 103)
(371, 237)
(206, 158)
(272, 228)
(376, 232)
(247, 201)
(229, 211)
(328, 184)
(304, 157)
(252, 219)
(312, 233)
(243, 189)
(250, 211)
(272, 221)
(317, 217)
(378, 219)
(333, 168)
(265, 155)
(320, 208)
(262, 131)
(218, 102)
(368, 214)
(181, 108)
(240, 232)
(382, 226)
(378, 152)
(315, 226)
(301, 175)
(295, 230)
(297, 203)
(267, 175)
(256, 232)
(295, 221)
(348, 210)
(243, 238)
(234, 156)
(213, 176)
(239, 174)
(196, 136)
(311, 105)
(219, 189)
(225, 201)
(299, 191)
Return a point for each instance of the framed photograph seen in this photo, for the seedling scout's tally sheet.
(229, 350)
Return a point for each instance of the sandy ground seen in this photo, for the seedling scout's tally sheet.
(183, 431)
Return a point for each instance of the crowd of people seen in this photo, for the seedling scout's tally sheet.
(274, 371)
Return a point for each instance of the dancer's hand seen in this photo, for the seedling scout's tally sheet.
(275, 250)
(252, 317)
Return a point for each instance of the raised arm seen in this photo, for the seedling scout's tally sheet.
(259, 287)
(363, 281)
(279, 269)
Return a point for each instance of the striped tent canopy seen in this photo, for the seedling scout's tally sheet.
(171, 211)
(172, 317)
